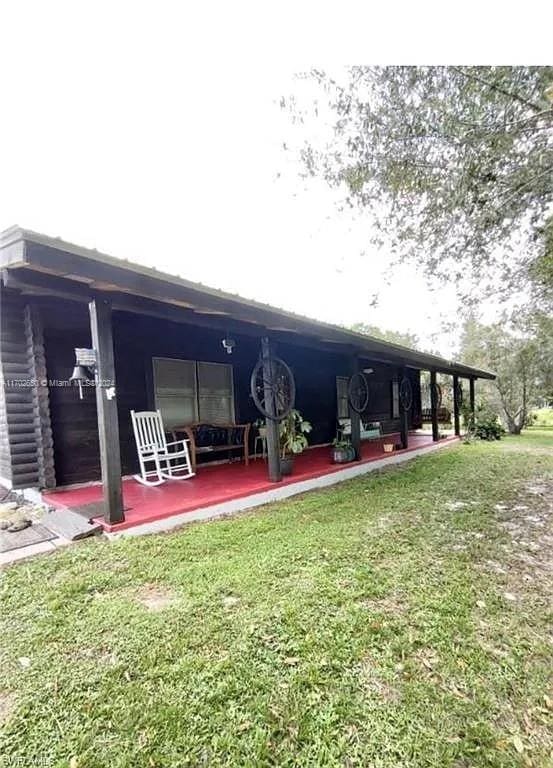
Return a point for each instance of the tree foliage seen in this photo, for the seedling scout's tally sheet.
(521, 356)
(455, 164)
(406, 339)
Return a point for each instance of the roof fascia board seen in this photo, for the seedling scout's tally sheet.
(24, 248)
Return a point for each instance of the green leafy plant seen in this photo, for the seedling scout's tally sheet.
(341, 445)
(261, 426)
(342, 451)
(293, 430)
(487, 425)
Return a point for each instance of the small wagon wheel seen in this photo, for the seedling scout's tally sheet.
(437, 394)
(274, 395)
(358, 392)
(406, 393)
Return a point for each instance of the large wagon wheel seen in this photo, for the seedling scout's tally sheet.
(274, 394)
(406, 394)
(358, 392)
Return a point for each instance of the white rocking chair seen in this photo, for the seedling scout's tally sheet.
(153, 449)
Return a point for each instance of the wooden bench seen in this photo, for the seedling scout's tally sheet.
(214, 438)
(370, 430)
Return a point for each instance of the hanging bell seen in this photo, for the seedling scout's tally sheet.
(80, 374)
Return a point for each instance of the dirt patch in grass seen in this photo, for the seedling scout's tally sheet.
(528, 521)
(374, 684)
(394, 604)
(7, 705)
(155, 597)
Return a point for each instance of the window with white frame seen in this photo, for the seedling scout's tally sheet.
(187, 391)
(342, 397)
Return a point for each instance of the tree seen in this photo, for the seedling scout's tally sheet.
(455, 164)
(518, 361)
(406, 339)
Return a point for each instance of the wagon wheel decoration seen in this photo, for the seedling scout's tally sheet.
(437, 390)
(406, 394)
(358, 392)
(274, 395)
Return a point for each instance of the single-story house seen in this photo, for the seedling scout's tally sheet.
(163, 342)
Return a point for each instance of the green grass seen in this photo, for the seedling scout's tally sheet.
(372, 624)
(543, 417)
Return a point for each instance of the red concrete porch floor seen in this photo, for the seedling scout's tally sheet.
(215, 485)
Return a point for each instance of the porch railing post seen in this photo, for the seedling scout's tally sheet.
(355, 418)
(273, 438)
(456, 420)
(106, 405)
(434, 406)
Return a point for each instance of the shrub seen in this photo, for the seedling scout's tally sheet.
(487, 425)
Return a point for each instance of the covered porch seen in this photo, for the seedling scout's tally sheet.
(159, 342)
(225, 488)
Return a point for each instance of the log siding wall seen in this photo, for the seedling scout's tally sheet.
(41, 396)
(26, 451)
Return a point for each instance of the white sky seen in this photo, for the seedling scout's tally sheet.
(153, 132)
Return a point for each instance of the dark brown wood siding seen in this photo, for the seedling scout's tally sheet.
(137, 339)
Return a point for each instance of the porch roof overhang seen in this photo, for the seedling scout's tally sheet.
(38, 264)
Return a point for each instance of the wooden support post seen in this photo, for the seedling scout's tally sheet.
(106, 404)
(456, 421)
(354, 417)
(403, 414)
(434, 406)
(472, 401)
(273, 435)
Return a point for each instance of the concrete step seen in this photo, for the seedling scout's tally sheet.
(69, 524)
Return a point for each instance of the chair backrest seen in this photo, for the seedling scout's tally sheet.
(148, 430)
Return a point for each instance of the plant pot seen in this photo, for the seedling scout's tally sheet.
(286, 465)
(388, 447)
(341, 455)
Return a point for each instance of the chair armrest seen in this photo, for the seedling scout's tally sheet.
(176, 442)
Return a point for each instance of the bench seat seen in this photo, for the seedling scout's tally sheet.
(370, 430)
(215, 438)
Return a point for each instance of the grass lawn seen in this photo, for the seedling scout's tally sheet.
(400, 619)
(543, 417)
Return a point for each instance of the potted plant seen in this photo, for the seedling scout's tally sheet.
(292, 430)
(261, 427)
(342, 451)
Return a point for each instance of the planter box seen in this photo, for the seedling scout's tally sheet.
(287, 465)
(342, 456)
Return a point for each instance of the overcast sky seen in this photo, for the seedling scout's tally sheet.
(154, 133)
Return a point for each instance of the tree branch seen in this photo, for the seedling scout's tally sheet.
(498, 88)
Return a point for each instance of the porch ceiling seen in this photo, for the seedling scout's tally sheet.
(42, 265)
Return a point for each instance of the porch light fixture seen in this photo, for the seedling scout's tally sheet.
(228, 344)
(368, 370)
(85, 369)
